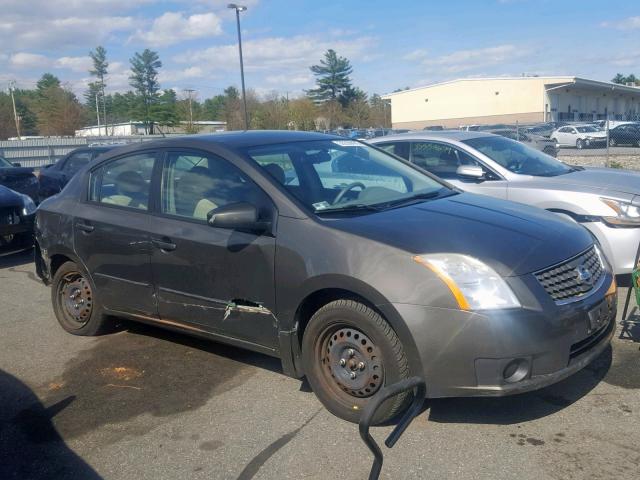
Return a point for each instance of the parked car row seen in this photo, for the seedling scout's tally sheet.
(357, 268)
(549, 137)
(21, 190)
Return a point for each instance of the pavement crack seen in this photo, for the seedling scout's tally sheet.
(261, 458)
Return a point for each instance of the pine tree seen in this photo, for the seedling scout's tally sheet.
(100, 70)
(332, 78)
(144, 80)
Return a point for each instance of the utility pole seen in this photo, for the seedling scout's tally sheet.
(98, 113)
(189, 92)
(104, 109)
(12, 87)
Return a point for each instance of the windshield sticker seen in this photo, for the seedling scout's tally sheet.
(346, 143)
(321, 205)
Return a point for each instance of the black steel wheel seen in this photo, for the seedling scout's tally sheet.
(74, 301)
(349, 353)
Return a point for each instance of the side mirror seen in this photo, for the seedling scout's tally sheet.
(16, 164)
(237, 216)
(470, 171)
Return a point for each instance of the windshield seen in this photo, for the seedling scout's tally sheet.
(517, 157)
(4, 163)
(587, 129)
(330, 175)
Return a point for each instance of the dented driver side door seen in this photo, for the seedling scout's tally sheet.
(206, 278)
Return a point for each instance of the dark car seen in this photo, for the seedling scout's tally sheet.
(17, 212)
(54, 177)
(627, 134)
(246, 238)
(18, 178)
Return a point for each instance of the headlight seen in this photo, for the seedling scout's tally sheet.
(474, 285)
(28, 207)
(627, 214)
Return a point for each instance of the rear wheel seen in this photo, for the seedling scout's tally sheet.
(612, 142)
(74, 303)
(350, 352)
(579, 144)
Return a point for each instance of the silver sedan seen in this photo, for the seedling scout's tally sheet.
(605, 201)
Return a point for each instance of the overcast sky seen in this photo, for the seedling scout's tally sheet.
(389, 46)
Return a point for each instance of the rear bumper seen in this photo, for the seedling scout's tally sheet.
(468, 353)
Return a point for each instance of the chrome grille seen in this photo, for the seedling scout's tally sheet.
(573, 278)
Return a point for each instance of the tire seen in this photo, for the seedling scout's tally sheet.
(579, 144)
(638, 143)
(612, 142)
(350, 332)
(81, 314)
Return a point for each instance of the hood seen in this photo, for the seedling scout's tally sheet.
(20, 179)
(605, 181)
(9, 198)
(512, 238)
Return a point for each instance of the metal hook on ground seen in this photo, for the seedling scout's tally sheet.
(370, 409)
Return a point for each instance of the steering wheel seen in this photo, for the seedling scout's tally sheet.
(346, 189)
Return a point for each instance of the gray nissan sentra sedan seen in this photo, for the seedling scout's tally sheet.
(355, 278)
(604, 200)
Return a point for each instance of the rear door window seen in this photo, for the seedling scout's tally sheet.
(124, 182)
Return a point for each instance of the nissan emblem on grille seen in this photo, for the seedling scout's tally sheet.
(573, 278)
(583, 275)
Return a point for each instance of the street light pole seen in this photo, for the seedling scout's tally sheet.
(238, 9)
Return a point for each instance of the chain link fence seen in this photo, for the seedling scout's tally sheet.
(612, 142)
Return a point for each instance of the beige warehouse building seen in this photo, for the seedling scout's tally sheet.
(509, 100)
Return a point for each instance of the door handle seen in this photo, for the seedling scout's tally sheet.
(85, 227)
(164, 244)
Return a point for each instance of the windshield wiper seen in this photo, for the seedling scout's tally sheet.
(354, 207)
(418, 197)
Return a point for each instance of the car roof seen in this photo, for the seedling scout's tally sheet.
(252, 138)
(458, 135)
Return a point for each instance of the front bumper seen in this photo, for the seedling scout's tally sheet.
(590, 142)
(468, 353)
(21, 233)
(620, 245)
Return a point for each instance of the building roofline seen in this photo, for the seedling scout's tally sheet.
(545, 79)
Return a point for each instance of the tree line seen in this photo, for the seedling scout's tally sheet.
(625, 79)
(52, 109)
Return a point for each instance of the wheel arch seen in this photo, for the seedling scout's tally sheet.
(353, 290)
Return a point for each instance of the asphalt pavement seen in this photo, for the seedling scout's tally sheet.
(147, 404)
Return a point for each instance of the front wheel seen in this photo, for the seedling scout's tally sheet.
(74, 302)
(580, 144)
(350, 352)
(612, 142)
